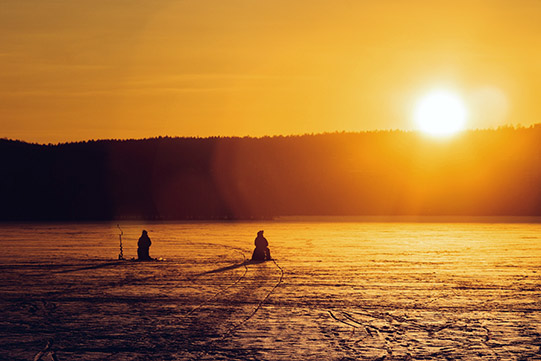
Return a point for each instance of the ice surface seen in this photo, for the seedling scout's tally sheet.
(349, 291)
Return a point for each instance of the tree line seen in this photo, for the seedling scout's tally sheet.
(481, 172)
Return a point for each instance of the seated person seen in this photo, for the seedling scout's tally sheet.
(143, 247)
(261, 251)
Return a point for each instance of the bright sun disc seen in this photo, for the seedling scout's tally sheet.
(440, 113)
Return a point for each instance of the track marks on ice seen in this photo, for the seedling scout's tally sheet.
(232, 329)
(419, 334)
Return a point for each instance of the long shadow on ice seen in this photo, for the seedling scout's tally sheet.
(101, 265)
(228, 268)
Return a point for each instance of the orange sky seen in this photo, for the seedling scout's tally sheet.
(73, 70)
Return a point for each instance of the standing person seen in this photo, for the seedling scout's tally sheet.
(261, 251)
(143, 246)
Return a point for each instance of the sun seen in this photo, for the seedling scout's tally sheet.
(440, 113)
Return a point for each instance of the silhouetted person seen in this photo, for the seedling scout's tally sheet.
(261, 251)
(143, 247)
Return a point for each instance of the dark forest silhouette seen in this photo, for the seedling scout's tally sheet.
(484, 172)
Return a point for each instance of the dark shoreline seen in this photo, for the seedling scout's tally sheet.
(305, 219)
(390, 173)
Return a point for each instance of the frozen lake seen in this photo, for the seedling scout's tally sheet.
(337, 291)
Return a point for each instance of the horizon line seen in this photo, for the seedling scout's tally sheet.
(291, 135)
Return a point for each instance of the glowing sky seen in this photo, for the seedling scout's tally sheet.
(72, 70)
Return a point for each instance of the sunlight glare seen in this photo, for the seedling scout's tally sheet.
(440, 113)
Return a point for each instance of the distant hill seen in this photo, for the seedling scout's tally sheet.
(484, 172)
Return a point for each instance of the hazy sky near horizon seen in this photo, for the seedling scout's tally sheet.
(73, 70)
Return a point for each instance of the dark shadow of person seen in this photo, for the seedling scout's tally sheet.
(261, 251)
(143, 247)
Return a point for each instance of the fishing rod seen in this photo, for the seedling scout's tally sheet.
(121, 254)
